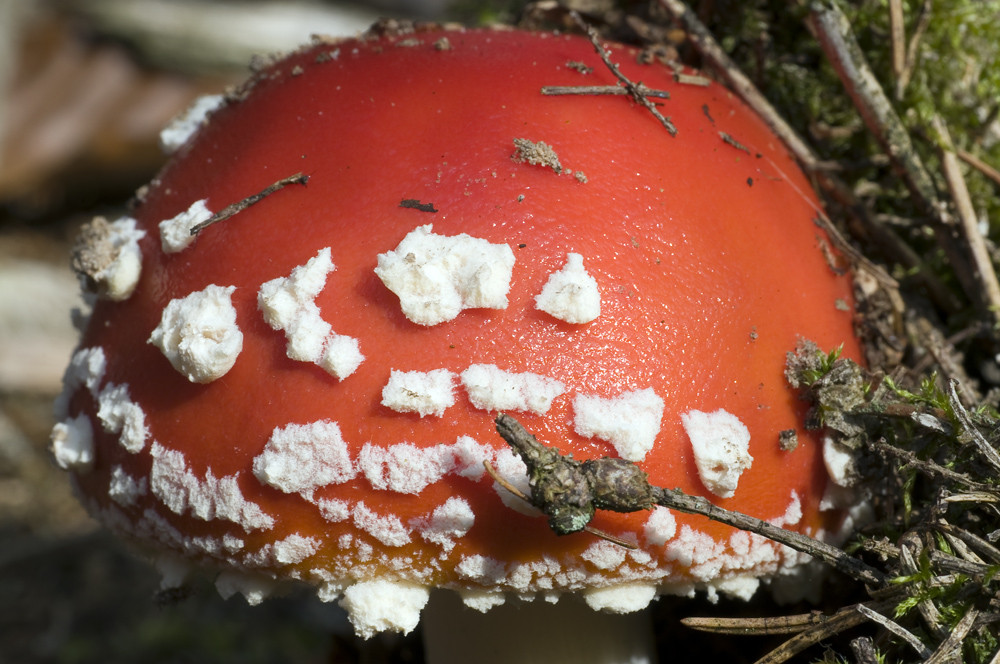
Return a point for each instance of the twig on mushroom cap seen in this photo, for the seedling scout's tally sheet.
(553, 90)
(570, 491)
(239, 206)
(634, 89)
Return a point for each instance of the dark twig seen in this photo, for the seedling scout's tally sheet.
(830, 555)
(635, 90)
(570, 491)
(520, 494)
(239, 206)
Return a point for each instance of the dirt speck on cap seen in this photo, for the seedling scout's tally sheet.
(94, 250)
(537, 154)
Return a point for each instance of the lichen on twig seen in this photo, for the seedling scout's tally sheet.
(569, 492)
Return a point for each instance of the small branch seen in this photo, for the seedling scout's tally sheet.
(889, 242)
(830, 555)
(570, 492)
(635, 90)
(701, 38)
(554, 90)
(909, 459)
(239, 206)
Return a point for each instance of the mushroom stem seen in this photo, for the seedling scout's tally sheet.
(530, 632)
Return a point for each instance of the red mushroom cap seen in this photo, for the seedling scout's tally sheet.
(306, 389)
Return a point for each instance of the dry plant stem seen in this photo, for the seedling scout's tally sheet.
(570, 491)
(842, 50)
(979, 165)
(897, 33)
(909, 550)
(909, 65)
(756, 626)
(967, 218)
(239, 206)
(896, 629)
(634, 90)
(554, 90)
(911, 460)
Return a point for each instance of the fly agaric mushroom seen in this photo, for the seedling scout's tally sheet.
(301, 335)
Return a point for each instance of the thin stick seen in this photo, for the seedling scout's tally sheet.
(979, 165)
(239, 206)
(968, 224)
(910, 64)
(621, 486)
(554, 90)
(840, 621)
(830, 555)
(897, 32)
(756, 626)
(634, 89)
(896, 629)
(712, 52)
